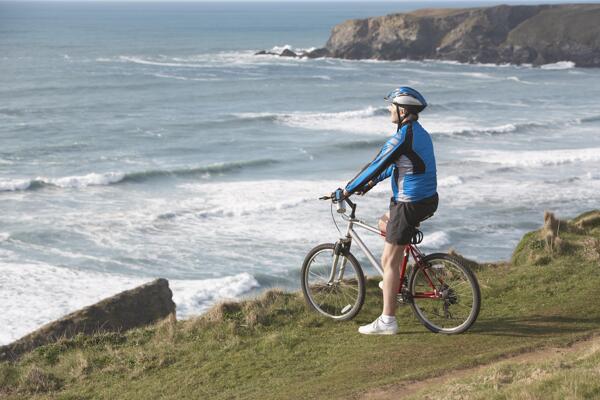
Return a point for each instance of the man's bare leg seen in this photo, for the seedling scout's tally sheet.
(391, 260)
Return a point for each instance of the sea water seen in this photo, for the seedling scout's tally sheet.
(144, 140)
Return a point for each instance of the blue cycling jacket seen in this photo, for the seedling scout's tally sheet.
(408, 158)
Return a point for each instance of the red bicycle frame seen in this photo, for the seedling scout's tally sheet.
(418, 257)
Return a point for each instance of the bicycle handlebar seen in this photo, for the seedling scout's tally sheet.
(338, 198)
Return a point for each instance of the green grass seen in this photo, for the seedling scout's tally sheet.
(274, 348)
(565, 375)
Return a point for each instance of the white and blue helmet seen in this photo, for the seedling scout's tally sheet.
(408, 98)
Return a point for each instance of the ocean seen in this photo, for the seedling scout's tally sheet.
(144, 140)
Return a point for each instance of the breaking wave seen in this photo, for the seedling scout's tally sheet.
(108, 178)
(536, 158)
(559, 65)
(374, 120)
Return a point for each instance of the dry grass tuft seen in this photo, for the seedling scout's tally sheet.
(35, 380)
(591, 249)
(79, 366)
(258, 311)
(589, 221)
(550, 231)
(165, 330)
(222, 311)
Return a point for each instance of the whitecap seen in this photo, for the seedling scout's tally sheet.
(297, 50)
(4, 236)
(193, 297)
(517, 79)
(185, 78)
(450, 181)
(365, 120)
(93, 179)
(143, 61)
(11, 185)
(559, 65)
(535, 158)
(435, 239)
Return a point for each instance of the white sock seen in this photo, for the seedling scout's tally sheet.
(388, 319)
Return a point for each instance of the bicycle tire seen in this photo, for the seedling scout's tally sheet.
(339, 309)
(425, 309)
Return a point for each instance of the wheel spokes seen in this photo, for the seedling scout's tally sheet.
(334, 298)
(455, 301)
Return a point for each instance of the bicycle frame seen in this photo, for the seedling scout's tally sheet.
(409, 250)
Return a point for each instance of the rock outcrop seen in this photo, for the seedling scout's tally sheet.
(286, 52)
(129, 309)
(521, 34)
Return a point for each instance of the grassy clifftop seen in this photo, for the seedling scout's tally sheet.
(272, 347)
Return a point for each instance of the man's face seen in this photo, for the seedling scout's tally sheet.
(393, 113)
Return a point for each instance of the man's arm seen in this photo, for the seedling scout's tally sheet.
(380, 168)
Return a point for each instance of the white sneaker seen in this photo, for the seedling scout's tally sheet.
(378, 327)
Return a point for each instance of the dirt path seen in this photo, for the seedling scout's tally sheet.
(402, 390)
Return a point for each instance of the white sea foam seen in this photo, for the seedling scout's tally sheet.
(535, 158)
(195, 297)
(140, 60)
(559, 65)
(11, 185)
(449, 181)
(478, 75)
(373, 120)
(517, 79)
(364, 120)
(592, 175)
(4, 236)
(93, 179)
(240, 59)
(34, 294)
(435, 240)
(280, 49)
(186, 78)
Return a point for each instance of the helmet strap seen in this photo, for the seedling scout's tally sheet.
(399, 117)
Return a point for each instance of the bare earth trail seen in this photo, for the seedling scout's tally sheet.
(552, 353)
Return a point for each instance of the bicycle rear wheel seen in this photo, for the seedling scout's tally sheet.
(338, 295)
(445, 294)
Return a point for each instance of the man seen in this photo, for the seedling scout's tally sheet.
(409, 159)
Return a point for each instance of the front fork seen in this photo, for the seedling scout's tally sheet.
(342, 248)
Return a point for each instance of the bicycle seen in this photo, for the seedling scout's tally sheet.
(443, 293)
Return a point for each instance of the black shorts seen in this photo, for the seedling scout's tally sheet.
(404, 217)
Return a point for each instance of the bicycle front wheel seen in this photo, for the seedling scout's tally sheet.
(333, 286)
(445, 294)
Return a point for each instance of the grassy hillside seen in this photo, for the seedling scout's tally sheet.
(272, 347)
(571, 373)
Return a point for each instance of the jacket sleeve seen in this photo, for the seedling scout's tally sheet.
(382, 165)
(385, 174)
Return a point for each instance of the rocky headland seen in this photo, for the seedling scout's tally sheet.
(523, 34)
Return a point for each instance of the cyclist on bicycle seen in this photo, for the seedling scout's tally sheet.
(409, 159)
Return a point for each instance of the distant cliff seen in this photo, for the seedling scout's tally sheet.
(502, 34)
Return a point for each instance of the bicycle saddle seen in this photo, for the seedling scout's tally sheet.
(419, 223)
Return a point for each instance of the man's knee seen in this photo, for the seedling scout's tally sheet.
(392, 254)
